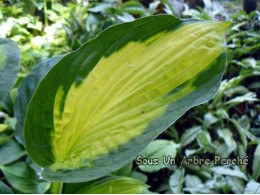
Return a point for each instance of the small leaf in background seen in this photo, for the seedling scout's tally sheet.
(222, 114)
(158, 149)
(227, 135)
(125, 17)
(21, 177)
(244, 123)
(252, 187)
(100, 7)
(249, 63)
(3, 127)
(248, 97)
(229, 84)
(254, 85)
(4, 137)
(209, 119)
(223, 150)
(168, 7)
(241, 152)
(237, 184)
(176, 181)
(4, 189)
(9, 65)
(241, 90)
(207, 3)
(192, 181)
(217, 184)
(133, 7)
(11, 122)
(228, 171)
(7, 103)
(189, 135)
(256, 163)
(189, 152)
(153, 7)
(241, 132)
(204, 141)
(211, 186)
(10, 151)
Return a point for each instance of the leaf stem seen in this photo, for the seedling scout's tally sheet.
(56, 187)
(45, 13)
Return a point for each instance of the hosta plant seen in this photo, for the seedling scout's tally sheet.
(98, 107)
(88, 113)
(9, 65)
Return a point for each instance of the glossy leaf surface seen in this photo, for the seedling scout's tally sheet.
(99, 106)
(26, 91)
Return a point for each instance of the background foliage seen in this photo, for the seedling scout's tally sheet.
(228, 126)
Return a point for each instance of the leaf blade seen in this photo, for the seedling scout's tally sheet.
(152, 103)
(9, 65)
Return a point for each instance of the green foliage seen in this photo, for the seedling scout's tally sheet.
(26, 91)
(156, 149)
(9, 65)
(228, 126)
(10, 152)
(110, 185)
(4, 189)
(176, 181)
(252, 187)
(21, 177)
(69, 158)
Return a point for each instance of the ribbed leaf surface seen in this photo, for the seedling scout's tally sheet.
(102, 104)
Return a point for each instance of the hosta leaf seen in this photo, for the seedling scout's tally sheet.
(248, 97)
(157, 149)
(4, 189)
(223, 150)
(237, 184)
(256, 163)
(192, 181)
(26, 90)
(227, 135)
(10, 152)
(133, 7)
(99, 106)
(205, 142)
(21, 177)
(108, 185)
(176, 181)
(4, 137)
(190, 135)
(252, 187)
(215, 185)
(9, 65)
(228, 171)
(241, 131)
(209, 119)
